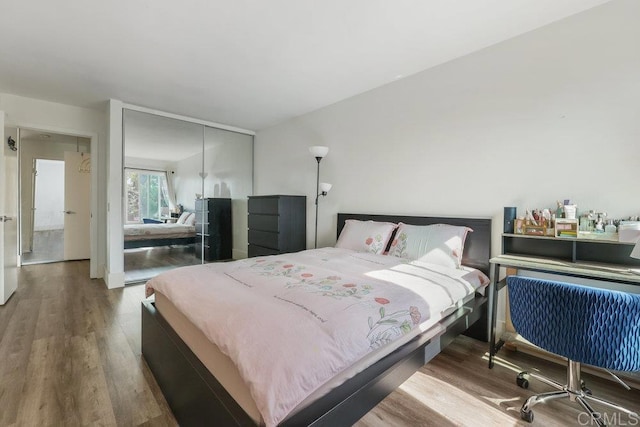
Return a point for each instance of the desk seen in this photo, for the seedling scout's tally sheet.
(625, 271)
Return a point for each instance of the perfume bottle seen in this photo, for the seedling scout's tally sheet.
(610, 227)
(599, 226)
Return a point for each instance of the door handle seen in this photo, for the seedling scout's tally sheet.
(5, 218)
(69, 212)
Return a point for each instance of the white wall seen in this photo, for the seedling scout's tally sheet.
(187, 183)
(550, 115)
(65, 119)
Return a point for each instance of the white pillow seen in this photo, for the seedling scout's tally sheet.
(191, 220)
(365, 236)
(476, 277)
(183, 217)
(440, 244)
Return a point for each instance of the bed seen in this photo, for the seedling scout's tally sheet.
(148, 235)
(171, 346)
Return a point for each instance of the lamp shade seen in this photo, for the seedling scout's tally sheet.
(319, 151)
(325, 187)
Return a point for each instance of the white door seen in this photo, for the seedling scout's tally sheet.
(77, 202)
(8, 217)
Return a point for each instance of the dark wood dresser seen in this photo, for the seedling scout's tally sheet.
(213, 222)
(277, 224)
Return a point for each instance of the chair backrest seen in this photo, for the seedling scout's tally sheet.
(589, 325)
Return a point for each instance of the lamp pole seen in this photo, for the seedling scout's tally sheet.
(317, 196)
(318, 152)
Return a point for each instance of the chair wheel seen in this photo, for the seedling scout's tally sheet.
(527, 416)
(522, 381)
(586, 390)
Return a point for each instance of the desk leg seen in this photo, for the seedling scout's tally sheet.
(493, 306)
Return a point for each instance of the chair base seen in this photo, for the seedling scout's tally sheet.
(575, 390)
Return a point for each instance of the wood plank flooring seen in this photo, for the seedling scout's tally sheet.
(142, 264)
(457, 389)
(70, 355)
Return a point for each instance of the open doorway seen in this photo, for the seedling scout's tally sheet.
(47, 215)
(55, 189)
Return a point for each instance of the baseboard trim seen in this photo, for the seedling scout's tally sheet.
(113, 280)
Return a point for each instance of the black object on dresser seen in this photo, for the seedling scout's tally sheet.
(213, 221)
(277, 224)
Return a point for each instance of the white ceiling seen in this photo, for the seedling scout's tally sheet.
(49, 137)
(147, 136)
(247, 63)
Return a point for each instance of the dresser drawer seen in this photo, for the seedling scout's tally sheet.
(277, 224)
(202, 229)
(263, 238)
(260, 251)
(201, 217)
(264, 222)
(199, 248)
(263, 205)
(202, 204)
(213, 229)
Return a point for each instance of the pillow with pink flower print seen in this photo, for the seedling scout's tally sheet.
(365, 236)
(440, 244)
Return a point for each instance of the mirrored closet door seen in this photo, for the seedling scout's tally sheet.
(185, 193)
(228, 182)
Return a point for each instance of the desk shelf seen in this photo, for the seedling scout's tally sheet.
(598, 259)
(610, 252)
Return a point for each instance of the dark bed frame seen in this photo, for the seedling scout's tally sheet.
(165, 241)
(197, 398)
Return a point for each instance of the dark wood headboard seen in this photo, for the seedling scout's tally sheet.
(477, 247)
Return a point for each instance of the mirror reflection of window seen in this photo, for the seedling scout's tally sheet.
(147, 195)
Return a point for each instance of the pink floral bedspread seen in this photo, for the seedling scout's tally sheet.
(292, 322)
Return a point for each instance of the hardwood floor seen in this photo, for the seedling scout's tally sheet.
(457, 389)
(142, 264)
(70, 355)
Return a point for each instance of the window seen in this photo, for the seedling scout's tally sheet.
(147, 194)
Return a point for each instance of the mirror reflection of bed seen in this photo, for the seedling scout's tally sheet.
(168, 164)
(156, 246)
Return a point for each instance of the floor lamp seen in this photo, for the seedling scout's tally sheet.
(319, 152)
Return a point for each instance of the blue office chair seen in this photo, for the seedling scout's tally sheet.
(587, 325)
